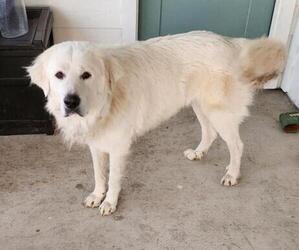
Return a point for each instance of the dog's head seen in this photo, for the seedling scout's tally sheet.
(76, 77)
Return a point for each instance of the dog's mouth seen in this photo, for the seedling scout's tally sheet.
(69, 112)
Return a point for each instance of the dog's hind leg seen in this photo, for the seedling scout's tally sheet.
(227, 125)
(99, 160)
(208, 135)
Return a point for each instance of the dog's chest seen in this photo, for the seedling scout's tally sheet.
(74, 130)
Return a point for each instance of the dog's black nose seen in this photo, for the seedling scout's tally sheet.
(72, 101)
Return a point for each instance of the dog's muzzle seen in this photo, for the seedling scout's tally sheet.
(72, 103)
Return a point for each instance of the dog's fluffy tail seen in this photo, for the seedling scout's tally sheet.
(261, 60)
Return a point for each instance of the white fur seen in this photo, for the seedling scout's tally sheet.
(136, 87)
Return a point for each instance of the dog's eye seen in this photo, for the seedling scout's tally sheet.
(85, 75)
(59, 75)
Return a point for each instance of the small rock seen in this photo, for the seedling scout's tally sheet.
(118, 217)
(79, 186)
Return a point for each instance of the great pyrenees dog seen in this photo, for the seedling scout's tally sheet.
(106, 97)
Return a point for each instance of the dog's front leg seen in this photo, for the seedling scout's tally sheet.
(99, 160)
(117, 165)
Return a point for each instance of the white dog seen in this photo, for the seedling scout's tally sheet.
(105, 97)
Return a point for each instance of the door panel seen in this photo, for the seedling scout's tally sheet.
(178, 16)
(149, 19)
(259, 18)
(238, 18)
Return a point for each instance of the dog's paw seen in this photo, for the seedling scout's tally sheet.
(192, 155)
(229, 180)
(93, 200)
(106, 208)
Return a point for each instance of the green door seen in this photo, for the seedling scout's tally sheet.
(237, 18)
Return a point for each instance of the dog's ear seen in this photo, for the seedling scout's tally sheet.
(37, 72)
(113, 71)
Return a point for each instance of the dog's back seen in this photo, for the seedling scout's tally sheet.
(258, 60)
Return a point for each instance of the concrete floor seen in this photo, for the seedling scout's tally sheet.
(167, 201)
